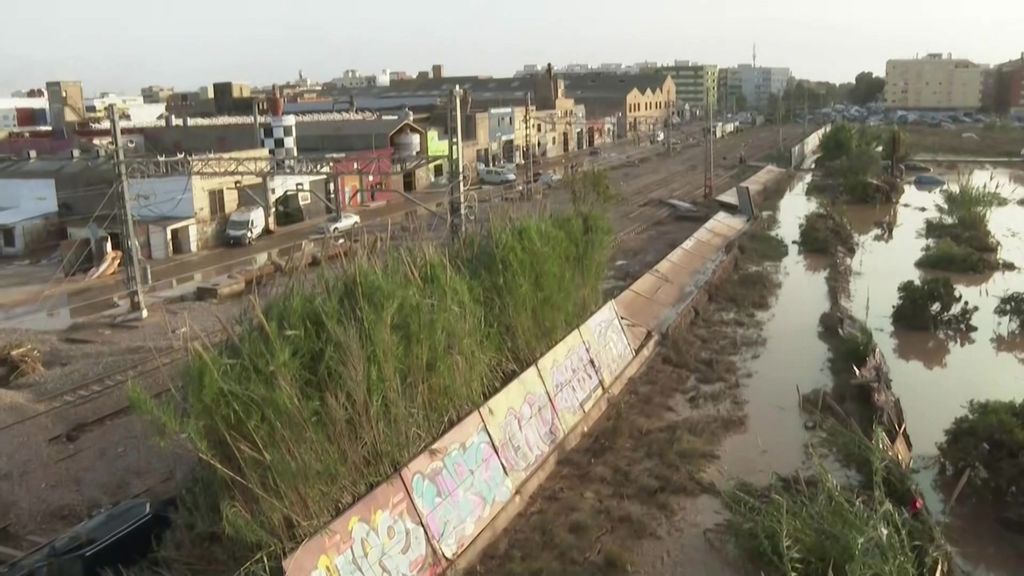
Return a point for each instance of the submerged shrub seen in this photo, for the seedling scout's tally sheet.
(825, 231)
(989, 440)
(932, 304)
(948, 256)
(1011, 307)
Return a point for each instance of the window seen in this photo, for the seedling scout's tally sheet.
(8, 238)
(216, 198)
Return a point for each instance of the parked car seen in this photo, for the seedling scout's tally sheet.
(245, 225)
(548, 179)
(339, 223)
(594, 151)
(497, 176)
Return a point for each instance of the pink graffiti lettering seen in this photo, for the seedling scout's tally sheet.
(611, 350)
(460, 491)
(528, 433)
(388, 545)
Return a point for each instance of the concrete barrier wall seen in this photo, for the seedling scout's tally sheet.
(421, 521)
(807, 147)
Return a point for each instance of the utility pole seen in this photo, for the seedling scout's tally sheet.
(456, 194)
(529, 145)
(709, 145)
(668, 127)
(129, 245)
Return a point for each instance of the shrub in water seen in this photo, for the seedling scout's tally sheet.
(1011, 307)
(824, 231)
(932, 304)
(948, 256)
(989, 439)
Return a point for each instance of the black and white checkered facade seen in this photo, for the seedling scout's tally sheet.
(279, 137)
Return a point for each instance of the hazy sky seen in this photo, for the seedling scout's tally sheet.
(120, 45)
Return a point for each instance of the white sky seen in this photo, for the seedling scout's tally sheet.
(120, 45)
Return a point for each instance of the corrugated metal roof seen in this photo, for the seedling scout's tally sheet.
(20, 214)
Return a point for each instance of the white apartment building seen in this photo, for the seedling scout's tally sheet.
(757, 83)
(936, 81)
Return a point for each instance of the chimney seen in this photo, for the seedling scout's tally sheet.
(30, 154)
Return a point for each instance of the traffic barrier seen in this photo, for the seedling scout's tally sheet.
(430, 516)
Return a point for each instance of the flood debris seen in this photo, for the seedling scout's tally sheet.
(932, 304)
(19, 360)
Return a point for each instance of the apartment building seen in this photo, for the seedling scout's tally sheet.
(695, 84)
(758, 83)
(936, 81)
(1008, 87)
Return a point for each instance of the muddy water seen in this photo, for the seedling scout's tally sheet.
(934, 376)
(791, 355)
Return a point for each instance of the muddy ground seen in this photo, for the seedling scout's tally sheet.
(50, 480)
(613, 504)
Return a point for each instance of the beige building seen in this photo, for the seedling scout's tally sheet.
(936, 81)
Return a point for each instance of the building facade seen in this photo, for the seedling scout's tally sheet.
(756, 83)
(696, 85)
(936, 82)
(156, 94)
(1008, 87)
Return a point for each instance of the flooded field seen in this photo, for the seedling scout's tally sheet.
(937, 376)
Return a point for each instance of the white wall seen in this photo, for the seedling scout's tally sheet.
(279, 185)
(167, 197)
(34, 197)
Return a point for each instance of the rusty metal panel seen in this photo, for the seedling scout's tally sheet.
(571, 379)
(606, 341)
(380, 534)
(523, 425)
(458, 485)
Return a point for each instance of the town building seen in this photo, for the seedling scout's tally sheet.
(696, 85)
(1008, 87)
(730, 92)
(356, 79)
(28, 214)
(758, 84)
(934, 82)
(66, 103)
(643, 103)
(23, 113)
(156, 94)
(128, 107)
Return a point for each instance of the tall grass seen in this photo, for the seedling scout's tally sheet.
(819, 525)
(962, 241)
(342, 378)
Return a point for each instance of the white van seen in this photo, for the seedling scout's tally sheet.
(246, 225)
(497, 176)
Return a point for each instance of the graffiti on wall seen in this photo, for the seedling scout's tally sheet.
(607, 343)
(458, 485)
(380, 535)
(571, 379)
(522, 424)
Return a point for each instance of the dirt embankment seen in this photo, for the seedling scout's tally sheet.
(621, 488)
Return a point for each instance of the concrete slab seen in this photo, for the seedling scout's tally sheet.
(523, 424)
(694, 244)
(607, 343)
(458, 485)
(685, 258)
(638, 309)
(381, 531)
(707, 235)
(571, 379)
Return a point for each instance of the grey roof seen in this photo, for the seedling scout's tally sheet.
(586, 85)
(52, 167)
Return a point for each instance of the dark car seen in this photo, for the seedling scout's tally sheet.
(118, 537)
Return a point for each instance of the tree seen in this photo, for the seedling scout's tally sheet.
(866, 89)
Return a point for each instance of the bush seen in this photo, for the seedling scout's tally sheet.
(990, 439)
(341, 379)
(1011, 307)
(931, 304)
(824, 231)
(763, 246)
(948, 256)
(838, 143)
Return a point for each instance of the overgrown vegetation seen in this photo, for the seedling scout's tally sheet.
(989, 441)
(762, 245)
(825, 231)
(851, 159)
(960, 238)
(820, 525)
(1011, 307)
(932, 304)
(328, 389)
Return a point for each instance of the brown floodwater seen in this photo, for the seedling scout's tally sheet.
(936, 376)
